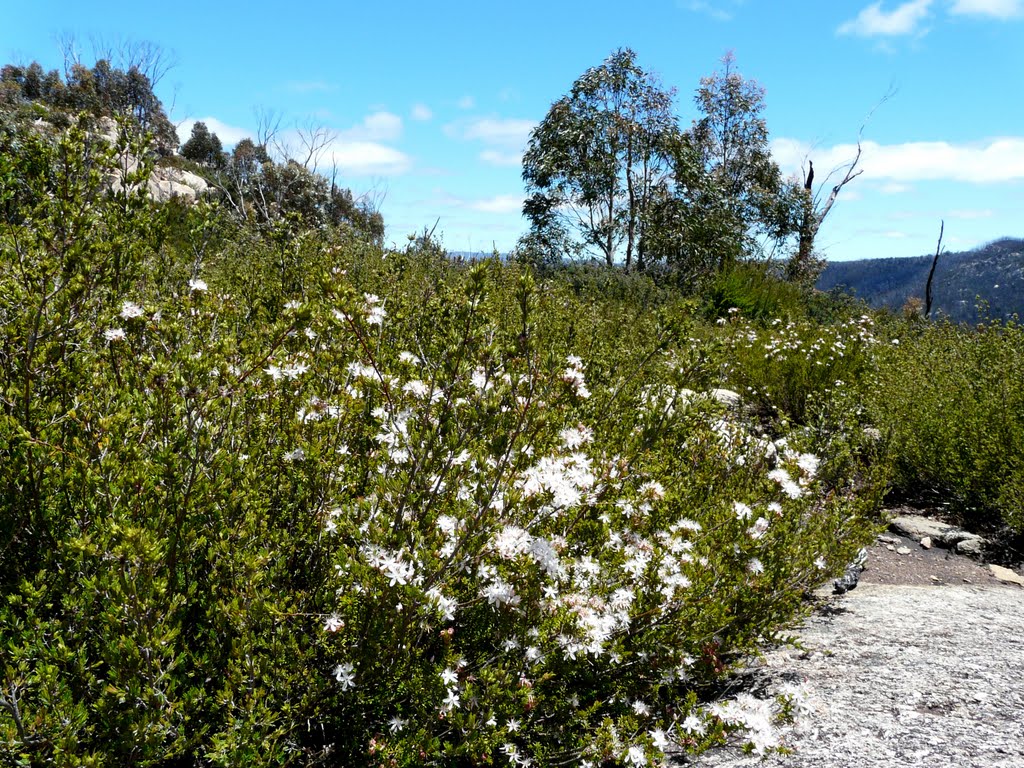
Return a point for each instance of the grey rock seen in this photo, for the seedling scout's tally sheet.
(727, 397)
(926, 542)
(943, 534)
(1006, 575)
(973, 546)
(903, 551)
(890, 539)
(918, 527)
(910, 680)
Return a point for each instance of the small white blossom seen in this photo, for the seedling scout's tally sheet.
(197, 285)
(114, 334)
(346, 675)
(130, 310)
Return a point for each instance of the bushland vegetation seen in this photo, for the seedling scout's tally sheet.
(273, 494)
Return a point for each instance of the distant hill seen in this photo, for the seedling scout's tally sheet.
(994, 273)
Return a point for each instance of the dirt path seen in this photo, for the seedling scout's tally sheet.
(925, 673)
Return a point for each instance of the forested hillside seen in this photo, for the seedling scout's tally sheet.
(992, 275)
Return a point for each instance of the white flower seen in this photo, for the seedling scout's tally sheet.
(196, 284)
(449, 677)
(820, 563)
(114, 334)
(273, 372)
(755, 566)
(758, 529)
(396, 723)
(416, 388)
(297, 455)
(659, 739)
(636, 756)
(346, 675)
(333, 623)
(451, 701)
(693, 724)
(791, 489)
(512, 725)
(743, 512)
(130, 310)
(293, 304)
(641, 708)
(808, 464)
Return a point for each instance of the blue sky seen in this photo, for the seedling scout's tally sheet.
(431, 104)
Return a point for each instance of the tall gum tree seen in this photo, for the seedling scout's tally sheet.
(594, 163)
(731, 138)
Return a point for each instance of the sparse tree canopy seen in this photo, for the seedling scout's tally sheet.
(731, 138)
(594, 164)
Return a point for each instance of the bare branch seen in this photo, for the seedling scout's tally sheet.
(314, 139)
(931, 273)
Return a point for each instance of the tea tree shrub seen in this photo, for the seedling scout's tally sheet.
(798, 370)
(281, 498)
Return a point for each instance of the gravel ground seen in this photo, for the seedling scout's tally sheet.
(905, 675)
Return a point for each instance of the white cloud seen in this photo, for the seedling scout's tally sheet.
(874, 22)
(365, 158)
(312, 86)
(1000, 9)
(969, 214)
(510, 133)
(990, 161)
(421, 112)
(713, 9)
(501, 159)
(498, 204)
(229, 135)
(379, 126)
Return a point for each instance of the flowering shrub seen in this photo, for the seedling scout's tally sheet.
(318, 504)
(798, 369)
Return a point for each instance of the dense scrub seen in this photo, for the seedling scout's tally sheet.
(276, 496)
(950, 401)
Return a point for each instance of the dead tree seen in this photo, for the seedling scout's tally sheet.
(931, 274)
(814, 210)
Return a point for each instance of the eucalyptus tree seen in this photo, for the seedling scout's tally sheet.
(596, 162)
(731, 138)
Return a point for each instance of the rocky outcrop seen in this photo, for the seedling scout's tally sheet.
(165, 182)
(942, 534)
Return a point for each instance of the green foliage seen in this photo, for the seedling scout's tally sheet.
(270, 495)
(609, 173)
(597, 161)
(799, 371)
(103, 91)
(755, 293)
(950, 401)
(731, 138)
(203, 146)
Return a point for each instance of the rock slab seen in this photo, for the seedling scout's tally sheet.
(1006, 575)
(910, 676)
